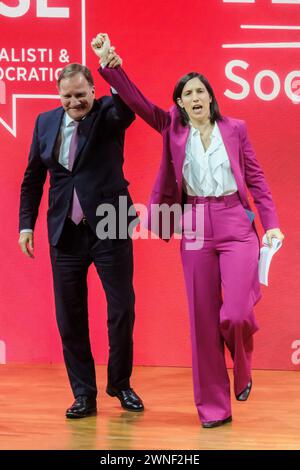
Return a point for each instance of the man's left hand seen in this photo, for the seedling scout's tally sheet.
(101, 46)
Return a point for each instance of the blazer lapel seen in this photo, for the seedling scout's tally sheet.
(84, 132)
(178, 139)
(232, 144)
(53, 133)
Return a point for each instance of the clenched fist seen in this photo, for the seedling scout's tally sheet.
(101, 46)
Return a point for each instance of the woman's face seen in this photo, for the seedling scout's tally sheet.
(196, 100)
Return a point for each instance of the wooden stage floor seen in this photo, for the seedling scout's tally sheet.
(34, 398)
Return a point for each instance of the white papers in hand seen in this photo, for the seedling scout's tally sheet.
(266, 255)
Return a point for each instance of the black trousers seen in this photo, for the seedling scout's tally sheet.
(77, 249)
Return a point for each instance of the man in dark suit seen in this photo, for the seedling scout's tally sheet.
(81, 145)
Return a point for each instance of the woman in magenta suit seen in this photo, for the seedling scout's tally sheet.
(208, 160)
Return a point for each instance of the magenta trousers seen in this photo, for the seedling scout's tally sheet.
(222, 287)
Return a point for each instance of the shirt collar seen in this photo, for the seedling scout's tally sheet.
(68, 121)
(215, 131)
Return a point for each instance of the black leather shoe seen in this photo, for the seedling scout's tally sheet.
(83, 406)
(215, 424)
(244, 395)
(128, 398)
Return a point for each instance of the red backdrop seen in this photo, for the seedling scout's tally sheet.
(159, 42)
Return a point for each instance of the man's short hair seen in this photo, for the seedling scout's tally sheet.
(73, 69)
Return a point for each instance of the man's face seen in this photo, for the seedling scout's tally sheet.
(77, 96)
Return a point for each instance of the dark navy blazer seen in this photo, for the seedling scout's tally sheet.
(97, 173)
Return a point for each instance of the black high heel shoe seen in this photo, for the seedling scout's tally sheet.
(244, 395)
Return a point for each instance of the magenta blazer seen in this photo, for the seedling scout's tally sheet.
(168, 185)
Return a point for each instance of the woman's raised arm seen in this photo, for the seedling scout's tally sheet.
(113, 73)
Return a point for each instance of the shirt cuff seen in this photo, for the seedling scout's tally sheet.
(26, 230)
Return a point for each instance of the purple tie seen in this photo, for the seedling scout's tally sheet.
(76, 213)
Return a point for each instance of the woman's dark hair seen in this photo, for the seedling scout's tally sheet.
(215, 114)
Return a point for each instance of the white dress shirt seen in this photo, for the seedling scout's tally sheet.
(66, 132)
(207, 173)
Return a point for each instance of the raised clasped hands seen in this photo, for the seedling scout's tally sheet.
(106, 53)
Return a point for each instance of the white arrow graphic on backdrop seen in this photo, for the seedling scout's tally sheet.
(13, 127)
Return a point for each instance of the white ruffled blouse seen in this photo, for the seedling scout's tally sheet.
(207, 173)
